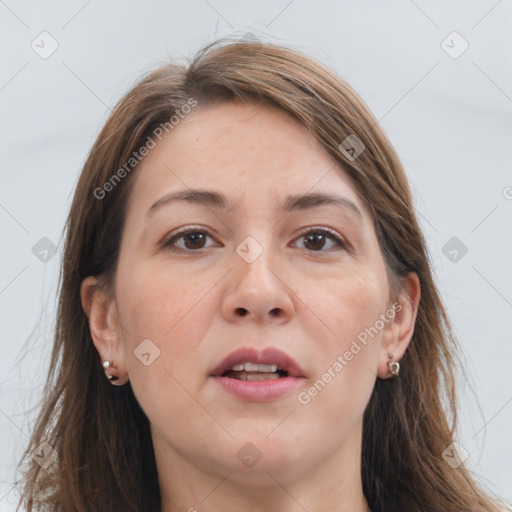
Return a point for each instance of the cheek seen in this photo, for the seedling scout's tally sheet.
(160, 304)
(348, 352)
(170, 310)
(174, 313)
(348, 303)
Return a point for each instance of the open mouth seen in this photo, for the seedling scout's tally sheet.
(258, 376)
(250, 365)
(253, 372)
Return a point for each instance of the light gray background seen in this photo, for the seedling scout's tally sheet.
(450, 120)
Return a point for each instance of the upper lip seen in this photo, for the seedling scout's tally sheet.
(270, 355)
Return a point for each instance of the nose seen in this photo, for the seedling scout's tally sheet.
(258, 292)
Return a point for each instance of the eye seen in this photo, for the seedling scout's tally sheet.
(315, 239)
(194, 239)
(190, 239)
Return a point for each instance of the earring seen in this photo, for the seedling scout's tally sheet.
(108, 364)
(394, 366)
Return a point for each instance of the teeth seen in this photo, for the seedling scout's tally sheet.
(262, 376)
(257, 376)
(267, 368)
(254, 367)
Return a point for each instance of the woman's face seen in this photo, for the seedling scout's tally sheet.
(260, 271)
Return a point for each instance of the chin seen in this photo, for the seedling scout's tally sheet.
(252, 456)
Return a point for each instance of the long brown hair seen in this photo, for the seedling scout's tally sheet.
(102, 437)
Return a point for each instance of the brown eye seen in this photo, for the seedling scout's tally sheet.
(188, 241)
(316, 240)
(194, 240)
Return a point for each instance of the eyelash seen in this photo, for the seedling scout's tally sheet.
(168, 242)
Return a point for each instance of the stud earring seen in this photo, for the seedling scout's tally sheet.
(108, 364)
(394, 366)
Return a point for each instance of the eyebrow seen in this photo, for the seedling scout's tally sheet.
(295, 202)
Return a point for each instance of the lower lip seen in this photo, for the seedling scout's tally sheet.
(259, 390)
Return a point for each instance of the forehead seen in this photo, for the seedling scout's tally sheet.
(251, 152)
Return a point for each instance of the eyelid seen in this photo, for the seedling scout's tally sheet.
(184, 231)
(339, 240)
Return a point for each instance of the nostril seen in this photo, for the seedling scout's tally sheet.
(241, 311)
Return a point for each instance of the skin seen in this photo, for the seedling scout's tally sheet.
(310, 299)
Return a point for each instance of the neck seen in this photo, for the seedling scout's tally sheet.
(334, 485)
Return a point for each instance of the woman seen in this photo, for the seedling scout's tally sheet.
(247, 316)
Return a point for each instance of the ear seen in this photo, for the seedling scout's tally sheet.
(398, 332)
(100, 309)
